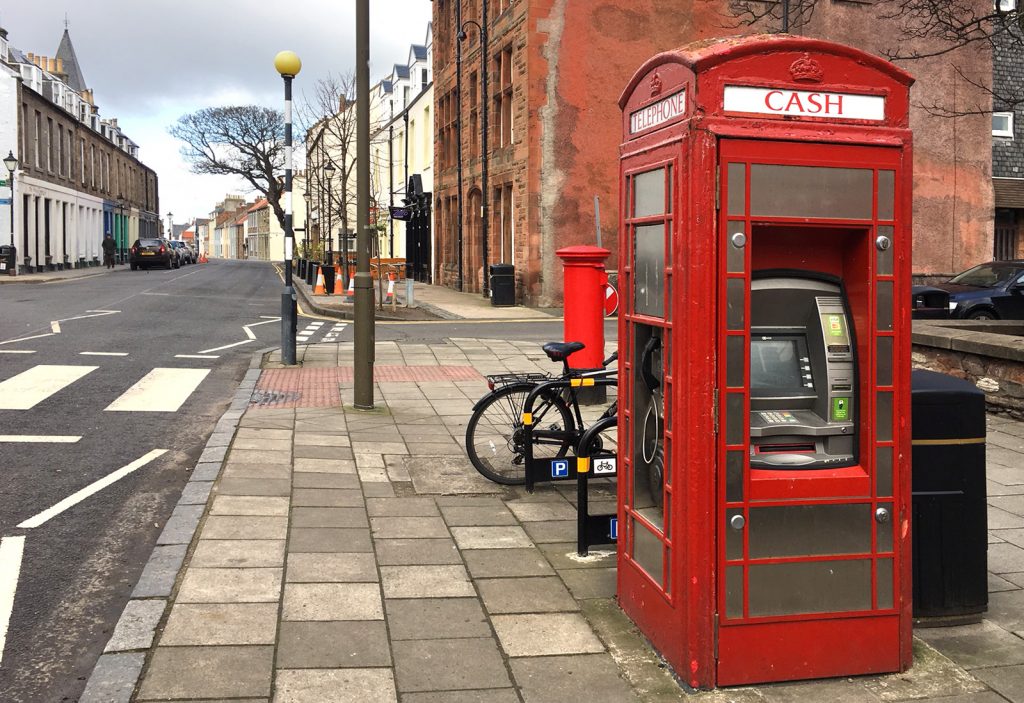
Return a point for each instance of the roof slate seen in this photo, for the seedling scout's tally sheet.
(66, 52)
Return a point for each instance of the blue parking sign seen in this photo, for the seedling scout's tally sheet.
(560, 468)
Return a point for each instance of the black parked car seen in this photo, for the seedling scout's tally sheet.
(147, 253)
(990, 291)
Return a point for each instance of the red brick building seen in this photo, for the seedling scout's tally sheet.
(556, 71)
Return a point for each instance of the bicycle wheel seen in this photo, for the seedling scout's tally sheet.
(495, 436)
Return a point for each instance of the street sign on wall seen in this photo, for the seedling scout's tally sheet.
(5, 201)
(399, 213)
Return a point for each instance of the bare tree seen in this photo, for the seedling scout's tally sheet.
(246, 141)
(924, 29)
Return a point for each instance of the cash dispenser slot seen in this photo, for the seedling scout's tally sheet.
(802, 398)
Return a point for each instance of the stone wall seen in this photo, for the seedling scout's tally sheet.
(990, 355)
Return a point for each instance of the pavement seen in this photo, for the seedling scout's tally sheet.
(429, 302)
(321, 553)
(58, 276)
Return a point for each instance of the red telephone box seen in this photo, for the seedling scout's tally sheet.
(764, 496)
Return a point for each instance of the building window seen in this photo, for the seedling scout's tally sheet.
(50, 145)
(81, 158)
(424, 81)
(1002, 124)
(35, 134)
(503, 98)
(1005, 5)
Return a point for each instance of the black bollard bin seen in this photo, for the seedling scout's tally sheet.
(950, 521)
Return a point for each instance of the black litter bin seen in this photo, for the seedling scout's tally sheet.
(8, 260)
(950, 520)
(503, 285)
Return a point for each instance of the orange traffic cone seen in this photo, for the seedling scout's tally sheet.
(350, 294)
(389, 297)
(339, 283)
(320, 287)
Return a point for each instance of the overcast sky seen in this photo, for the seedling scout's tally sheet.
(150, 61)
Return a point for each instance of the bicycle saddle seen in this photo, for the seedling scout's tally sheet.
(559, 351)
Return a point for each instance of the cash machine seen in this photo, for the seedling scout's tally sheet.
(764, 335)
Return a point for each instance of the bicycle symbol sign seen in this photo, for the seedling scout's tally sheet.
(604, 466)
(560, 468)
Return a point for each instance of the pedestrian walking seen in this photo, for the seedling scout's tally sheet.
(108, 251)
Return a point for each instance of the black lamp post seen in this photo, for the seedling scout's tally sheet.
(288, 65)
(122, 240)
(329, 170)
(11, 164)
(484, 99)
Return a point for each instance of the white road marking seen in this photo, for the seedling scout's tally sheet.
(25, 339)
(16, 351)
(248, 333)
(315, 325)
(196, 356)
(268, 320)
(103, 353)
(94, 487)
(94, 313)
(160, 390)
(28, 388)
(40, 438)
(226, 346)
(11, 551)
(55, 326)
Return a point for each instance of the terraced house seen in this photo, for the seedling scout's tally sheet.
(79, 176)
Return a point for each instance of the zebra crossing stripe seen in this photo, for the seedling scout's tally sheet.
(161, 390)
(29, 388)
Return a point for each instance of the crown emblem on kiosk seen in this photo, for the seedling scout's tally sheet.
(655, 84)
(806, 70)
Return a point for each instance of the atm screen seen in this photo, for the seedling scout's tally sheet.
(778, 363)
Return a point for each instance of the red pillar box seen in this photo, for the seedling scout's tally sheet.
(764, 337)
(585, 279)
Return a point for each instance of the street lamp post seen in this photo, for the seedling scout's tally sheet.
(122, 244)
(288, 65)
(484, 99)
(364, 322)
(329, 172)
(11, 164)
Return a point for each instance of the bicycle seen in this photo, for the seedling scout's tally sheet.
(495, 435)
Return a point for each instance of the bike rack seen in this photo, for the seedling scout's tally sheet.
(590, 529)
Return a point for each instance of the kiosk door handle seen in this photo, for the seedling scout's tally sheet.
(882, 516)
(737, 522)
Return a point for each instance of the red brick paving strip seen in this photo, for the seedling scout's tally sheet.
(318, 387)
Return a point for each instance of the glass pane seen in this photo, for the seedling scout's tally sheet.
(736, 258)
(737, 196)
(736, 420)
(735, 292)
(884, 537)
(733, 536)
(810, 191)
(810, 587)
(734, 476)
(647, 551)
(649, 270)
(886, 194)
(885, 257)
(884, 306)
(884, 577)
(735, 360)
(883, 417)
(734, 591)
(649, 191)
(648, 458)
(671, 190)
(883, 471)
(884, 361)
(804, 530)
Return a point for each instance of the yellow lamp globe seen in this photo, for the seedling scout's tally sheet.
(288, 63)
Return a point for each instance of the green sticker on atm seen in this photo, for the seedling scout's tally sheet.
(835, 326)
(840, 409)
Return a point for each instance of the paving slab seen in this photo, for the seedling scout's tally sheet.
(510, 537)
(307, 451)
(536, 512)
(448, 665)
(590, 677)
(332, 645)
(244, 470)
(413, 506)
(157, 579)
(408, 527)
(370, 685)
(259, 456)
(485, 563)
(325, 466)
(249, 505)
(305, 479)
(540, 594)
(436, 618)
(238, 553)
(339, 567)
(972, 646)
(261, 443)
(590, 583)
(329, 539)
(208, 672)
(320, 439)
(245, 527)
(220, 624)
(447, 475)
(256, 585)
(551, 531)
(329, 517)
(332, 601)
(181, 526)
(445, 581)
(231, 486)
(469, 515)
(327, 497)
(545, 634)
(490, 695)
(113, 679)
